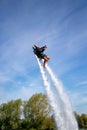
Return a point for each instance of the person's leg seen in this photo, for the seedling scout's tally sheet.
(46, 58)
(44, 63)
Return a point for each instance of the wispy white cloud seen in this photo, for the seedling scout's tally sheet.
(19, 91)
(3, 78)
(78, 101)
(82, 83)
(22, 93)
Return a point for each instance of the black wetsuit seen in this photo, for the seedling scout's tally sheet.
(39, 52)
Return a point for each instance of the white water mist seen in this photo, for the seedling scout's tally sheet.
(68, 115)
(56, 108)
(64, 116)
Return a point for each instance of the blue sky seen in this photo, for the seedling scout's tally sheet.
(62, 26)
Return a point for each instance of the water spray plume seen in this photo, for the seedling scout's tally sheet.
(62, 110)
(50, 95)
(70, 121)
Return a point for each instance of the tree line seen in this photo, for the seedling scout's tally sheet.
(34, 114)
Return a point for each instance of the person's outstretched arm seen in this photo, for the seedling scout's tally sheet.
(35, 45)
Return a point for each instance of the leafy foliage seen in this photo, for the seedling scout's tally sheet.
(35, 115)
(36, 110)
(82, 120)
(10, 115)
